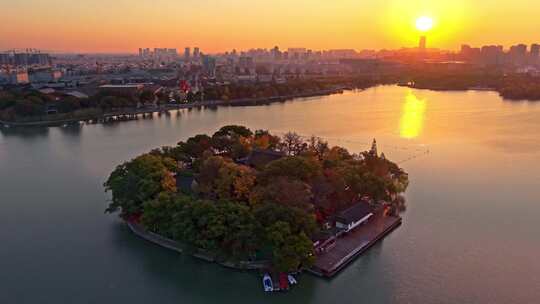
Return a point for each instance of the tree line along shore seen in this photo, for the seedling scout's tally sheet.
(24, 106)
(27, 106)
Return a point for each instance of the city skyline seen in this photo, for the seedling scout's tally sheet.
(218, 26)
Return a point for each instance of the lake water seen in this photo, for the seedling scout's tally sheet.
(471, 232)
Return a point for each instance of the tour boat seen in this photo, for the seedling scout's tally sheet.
(267, 283)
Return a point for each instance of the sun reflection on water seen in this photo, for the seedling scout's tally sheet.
(412, 120)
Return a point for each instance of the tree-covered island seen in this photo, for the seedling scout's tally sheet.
(251, 196)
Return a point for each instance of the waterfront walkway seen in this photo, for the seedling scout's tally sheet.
(354, 243)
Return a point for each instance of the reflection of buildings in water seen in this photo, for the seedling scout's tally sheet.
(412, 120)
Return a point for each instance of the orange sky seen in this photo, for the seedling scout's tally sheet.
(218, 25)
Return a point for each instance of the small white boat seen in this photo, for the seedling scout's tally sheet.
(292, 280)
(267, 283)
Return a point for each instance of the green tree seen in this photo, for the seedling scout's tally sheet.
(283, 191)
(30, 106)
(233, 141)
(195, 146)
(292, 167)
(69, 104)
(138, 181)
(290, 251)
(146, 97)
(159, 213)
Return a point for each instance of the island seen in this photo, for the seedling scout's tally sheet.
(254, 200)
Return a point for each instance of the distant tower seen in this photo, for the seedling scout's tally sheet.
(373, 150)
(423, 43)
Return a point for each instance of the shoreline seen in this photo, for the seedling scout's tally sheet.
(132, 114)
(166, 243)
(441, 89)
(473, 89)
(375, 232)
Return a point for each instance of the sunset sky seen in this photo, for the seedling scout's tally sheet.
(218, 25)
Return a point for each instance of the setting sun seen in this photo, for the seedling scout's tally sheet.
(424, 23)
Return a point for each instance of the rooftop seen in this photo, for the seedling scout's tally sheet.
(354, 213)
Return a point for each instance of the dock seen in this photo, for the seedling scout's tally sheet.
(349, 246)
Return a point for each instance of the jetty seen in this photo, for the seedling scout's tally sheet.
(348, 246)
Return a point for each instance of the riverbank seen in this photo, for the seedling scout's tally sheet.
(449, 89)
(132, 114)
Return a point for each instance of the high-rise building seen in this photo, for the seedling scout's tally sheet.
(21, 59)
(209, 65)
(276, 53)
(196, 53)
(5, 58)
(517, 54)
(39, 59)
(187, 53)
(423, 43)
(141, 52)
(29, 58)
(535, 50)
(172, 52)
(492, 55)
(246, 62)
(469, 53)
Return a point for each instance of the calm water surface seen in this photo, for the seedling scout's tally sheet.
(471, 233)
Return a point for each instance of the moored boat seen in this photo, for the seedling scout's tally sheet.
(267, 283)
(292, 280)
(283, 282)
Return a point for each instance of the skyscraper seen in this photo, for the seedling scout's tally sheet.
(187, 53)
(518, 54)
(535, 50)
(172, 52)
(5, 58)
(196, 53)
(209, 65)
(423, 43)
